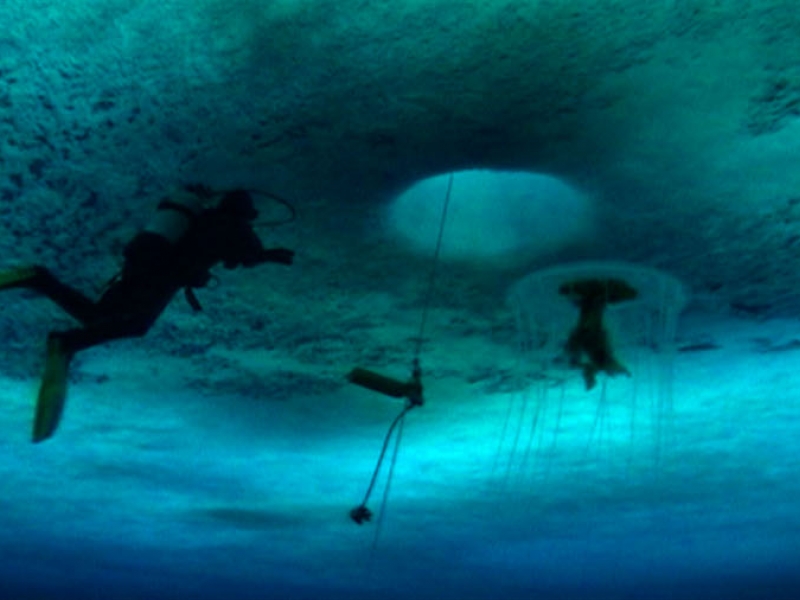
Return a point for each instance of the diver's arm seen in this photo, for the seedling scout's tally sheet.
(281, 256)
(244, 249)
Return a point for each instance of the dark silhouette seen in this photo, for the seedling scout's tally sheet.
(589, 345)
(175, 251)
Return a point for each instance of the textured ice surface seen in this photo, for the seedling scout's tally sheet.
(150, 489)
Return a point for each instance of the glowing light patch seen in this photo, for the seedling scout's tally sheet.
(492, 214)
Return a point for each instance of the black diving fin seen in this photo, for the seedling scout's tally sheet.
(53, 391)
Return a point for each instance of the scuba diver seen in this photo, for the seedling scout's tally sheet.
(176, 250)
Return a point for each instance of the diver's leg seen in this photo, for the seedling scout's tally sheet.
(17, 277)
(105, 330)
(69, 299)
(61, 347)
(41, 280)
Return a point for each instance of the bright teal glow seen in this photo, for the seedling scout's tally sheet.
(492, 214)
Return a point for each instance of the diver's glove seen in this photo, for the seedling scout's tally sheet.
(282, 256)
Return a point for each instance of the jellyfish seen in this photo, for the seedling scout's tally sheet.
(588, 345)
(596, 347)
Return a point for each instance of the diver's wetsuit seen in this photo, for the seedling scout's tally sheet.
(154, 270)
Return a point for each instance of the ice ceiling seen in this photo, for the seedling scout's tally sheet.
(675, 123)
(676, 118)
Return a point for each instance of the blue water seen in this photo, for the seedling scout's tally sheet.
(164, 494)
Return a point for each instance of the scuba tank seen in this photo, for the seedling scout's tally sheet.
(174, 215)
(173, 218)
